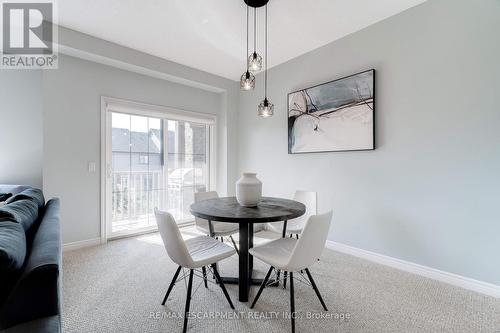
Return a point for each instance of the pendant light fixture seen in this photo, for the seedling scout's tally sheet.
(247, 80)
(266, 108)
(254, 60)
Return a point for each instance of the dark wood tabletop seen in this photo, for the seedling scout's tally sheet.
(229, 210)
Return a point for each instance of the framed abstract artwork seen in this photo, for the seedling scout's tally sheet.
(334, 116)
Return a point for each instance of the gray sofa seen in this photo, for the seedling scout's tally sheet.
(30, 262)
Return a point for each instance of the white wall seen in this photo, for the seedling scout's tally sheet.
(429, 193)
(21, 127)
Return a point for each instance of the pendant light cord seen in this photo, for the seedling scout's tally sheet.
(265, 78)
(254, 30)
(246, 55)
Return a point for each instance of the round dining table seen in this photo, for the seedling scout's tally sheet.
(228, 210)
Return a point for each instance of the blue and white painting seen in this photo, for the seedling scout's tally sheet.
(334, 116)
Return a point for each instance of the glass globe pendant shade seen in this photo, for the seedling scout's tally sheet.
(266, 108)
(247, 81)
(255, 62)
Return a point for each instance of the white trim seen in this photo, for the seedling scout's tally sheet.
(212, 156)
(111, 104)
(127, 234)
(428, 272)
(150, 110)
(104, 169)
(72, 52)
(81, 244)
(78, 245)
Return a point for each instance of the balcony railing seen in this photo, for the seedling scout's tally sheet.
(135, 195)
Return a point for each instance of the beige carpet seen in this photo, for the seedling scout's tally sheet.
(118, 287)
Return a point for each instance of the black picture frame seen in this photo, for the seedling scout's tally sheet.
(290, 125)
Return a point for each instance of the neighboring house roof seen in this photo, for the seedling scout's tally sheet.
(123, 141)
(151, 142)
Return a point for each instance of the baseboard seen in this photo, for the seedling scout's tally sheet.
(81, 244)
(428, 272)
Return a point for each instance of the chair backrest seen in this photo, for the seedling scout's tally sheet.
(310, 200)
(200, 196)
(311, 242)
(172, 239)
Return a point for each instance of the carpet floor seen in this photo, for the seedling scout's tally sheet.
(118, 287)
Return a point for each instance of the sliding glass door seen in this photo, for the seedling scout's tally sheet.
(187, 165)
(154, 162)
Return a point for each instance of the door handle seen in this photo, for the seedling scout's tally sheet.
(109, 170)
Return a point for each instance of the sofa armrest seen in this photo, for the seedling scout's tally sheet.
(44, 325)
(37, 292)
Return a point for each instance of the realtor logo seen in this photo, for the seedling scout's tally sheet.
(28, 31)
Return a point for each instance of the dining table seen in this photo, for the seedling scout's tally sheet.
(228, 210)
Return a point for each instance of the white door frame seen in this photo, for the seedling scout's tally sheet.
(111, 104)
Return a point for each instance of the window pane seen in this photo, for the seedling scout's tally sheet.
(156, 163)
(120, 138)
(200, 162)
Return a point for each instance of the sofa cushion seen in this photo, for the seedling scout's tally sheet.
(14, 189)
(37, 291)
(12, 256)
(12, 246)
(5, 196)
(29, 194)
(24, 212)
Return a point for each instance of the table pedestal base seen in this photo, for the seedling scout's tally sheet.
(245, 269)
(254, 282)
(245, 279)
(251, 282)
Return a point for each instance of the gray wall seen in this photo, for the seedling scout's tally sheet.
(429, 193)
(72, 125)
(21, 127)
(110, 53)
(50, 120)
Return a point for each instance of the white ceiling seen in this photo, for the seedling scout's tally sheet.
(210, 34)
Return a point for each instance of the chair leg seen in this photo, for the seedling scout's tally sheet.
(297, 236)
(204, 271)
(234, 244)
(188, 300)
(316, 289)
(213, 276)
(292, 303)
(262, 286)
(284, 280)
(171, 285)
(223, 287)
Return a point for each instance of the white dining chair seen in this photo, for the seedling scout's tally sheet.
(295, 226)
(194, 253)
(220, 229)
(292, 255)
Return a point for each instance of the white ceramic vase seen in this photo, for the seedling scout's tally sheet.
(248, 190)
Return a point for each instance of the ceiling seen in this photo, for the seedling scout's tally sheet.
(210, 34)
